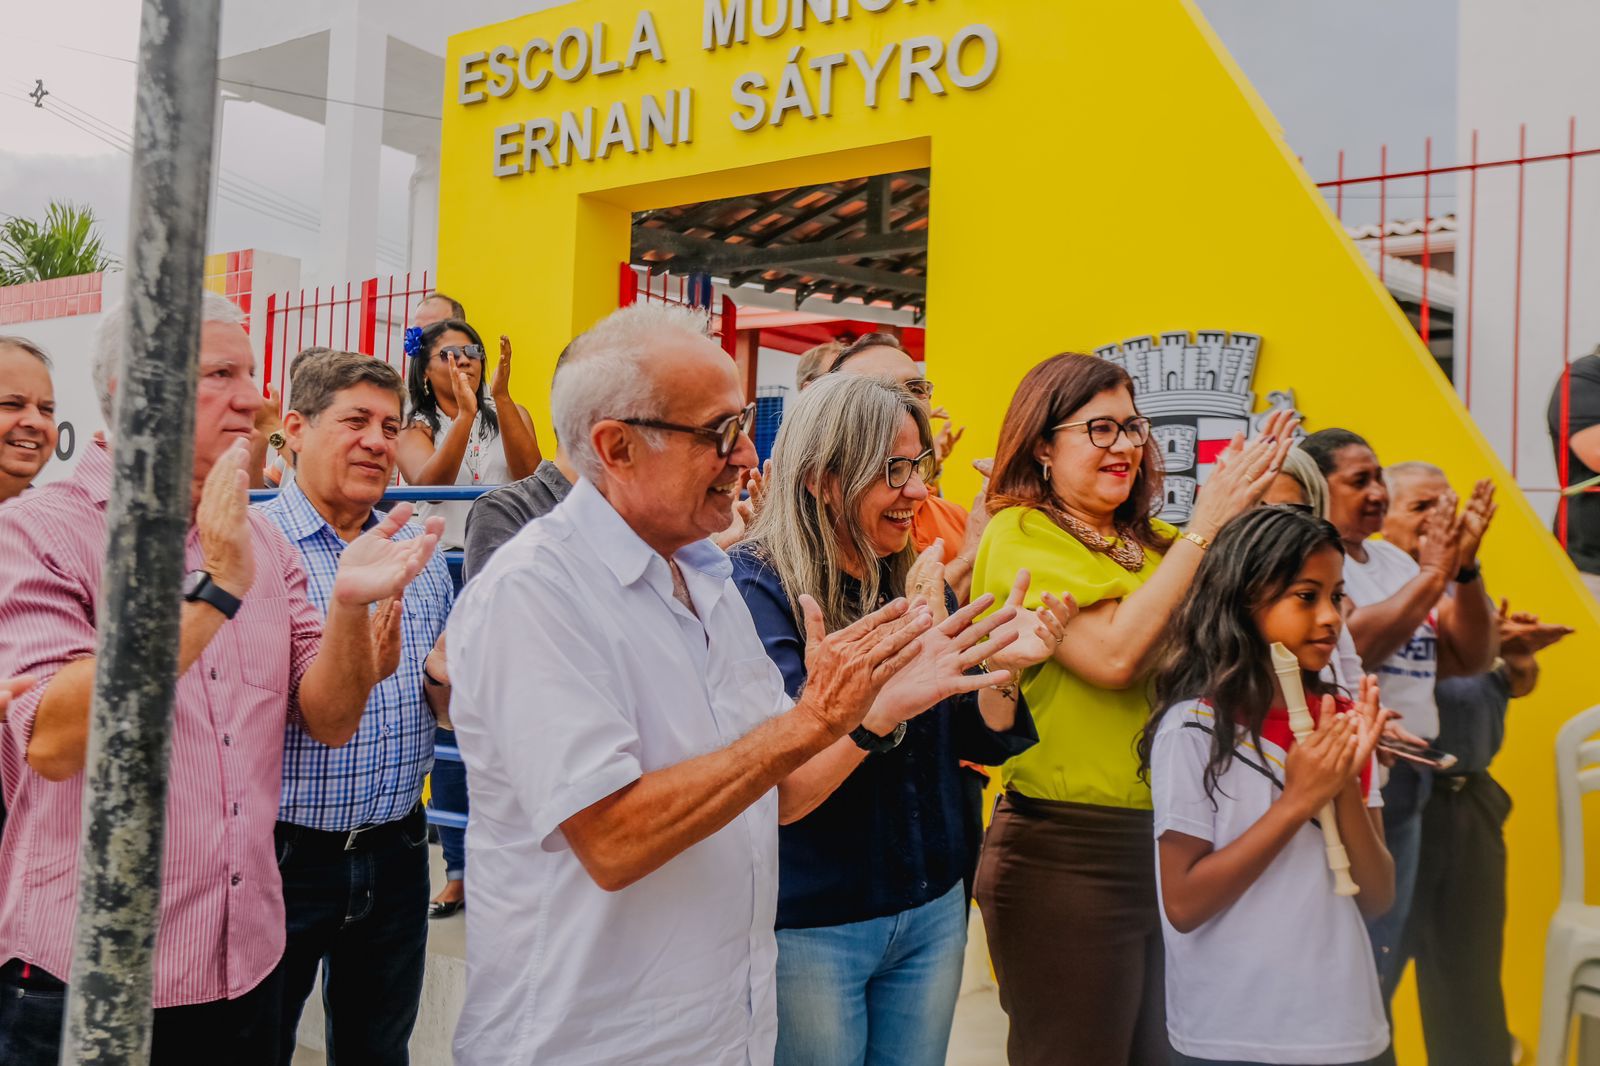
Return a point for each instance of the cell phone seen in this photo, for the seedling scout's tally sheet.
(1419, 754)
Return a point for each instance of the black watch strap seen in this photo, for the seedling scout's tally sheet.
(203, 590)
(872, 743)
(1468, 573)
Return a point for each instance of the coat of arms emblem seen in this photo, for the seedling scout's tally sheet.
(1197, 394)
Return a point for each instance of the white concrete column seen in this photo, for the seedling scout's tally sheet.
(352, 140)
(422, 231)
(216, 172)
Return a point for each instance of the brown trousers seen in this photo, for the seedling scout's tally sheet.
(1068, 895)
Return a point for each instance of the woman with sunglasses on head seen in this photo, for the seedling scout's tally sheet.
(1066, 882)
(872, 915)
(461, 433)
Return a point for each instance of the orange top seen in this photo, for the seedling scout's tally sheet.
(938, 517)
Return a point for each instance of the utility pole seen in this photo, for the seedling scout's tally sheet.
(125, 787)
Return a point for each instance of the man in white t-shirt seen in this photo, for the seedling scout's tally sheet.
(1419, 611)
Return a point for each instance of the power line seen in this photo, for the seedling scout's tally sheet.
(247, 84)
(270, 204)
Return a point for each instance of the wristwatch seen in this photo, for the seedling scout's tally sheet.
(872, 743)
(1468, 573)
(277, 440)
(201, 589)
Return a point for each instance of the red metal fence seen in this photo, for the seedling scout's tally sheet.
(367, 316)
(1507, 385)
(687, 290)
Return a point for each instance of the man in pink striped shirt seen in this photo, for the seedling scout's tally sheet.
(253, 653)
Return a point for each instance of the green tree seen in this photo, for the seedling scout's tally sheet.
(64, 244)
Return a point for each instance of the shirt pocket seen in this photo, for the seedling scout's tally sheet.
(260, 635)
(752, 698)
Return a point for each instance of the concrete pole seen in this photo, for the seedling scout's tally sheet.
(125, 777)
(352, 143)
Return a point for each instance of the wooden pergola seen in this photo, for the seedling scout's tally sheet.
(864, 239)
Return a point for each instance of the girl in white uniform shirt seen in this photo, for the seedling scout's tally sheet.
(1264, 963)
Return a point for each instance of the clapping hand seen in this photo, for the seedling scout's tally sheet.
(1475, 518)
(1037, 633)
(1522, 633)
(846, 669)
(943, 655)
(1439, 537)
(222, 520)
(461, 387)
(500, 386)
(375, 566)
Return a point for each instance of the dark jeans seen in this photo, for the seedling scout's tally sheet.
(361, 915)
(239, 1032)
(449, 786)
(1457, 927)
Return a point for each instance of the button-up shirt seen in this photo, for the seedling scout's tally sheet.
(377, 776)
(222, 922)
(575, 673)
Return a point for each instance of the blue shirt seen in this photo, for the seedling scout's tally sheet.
(377, 776)
(901, 830)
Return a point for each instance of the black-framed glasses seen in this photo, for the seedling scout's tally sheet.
(1103, 432)
(725, 434)
(897, 469)
(462, 351)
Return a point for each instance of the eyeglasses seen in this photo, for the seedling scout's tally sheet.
(921, 388)
(1103, 432)
(725, 434)
(897, 469)
(462, 351)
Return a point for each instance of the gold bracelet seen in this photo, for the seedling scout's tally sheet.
(1196, 539)
(1009, 691)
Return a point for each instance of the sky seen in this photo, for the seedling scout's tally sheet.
(1351, 74)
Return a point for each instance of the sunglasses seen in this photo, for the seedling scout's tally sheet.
(897, 469)
(1103, 432)
(725, 434)
(461, 351)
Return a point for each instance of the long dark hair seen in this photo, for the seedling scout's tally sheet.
(1048, 396)
(1213, 649)
(424, 404)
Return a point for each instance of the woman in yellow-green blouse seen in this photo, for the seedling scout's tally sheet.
(1067, 878)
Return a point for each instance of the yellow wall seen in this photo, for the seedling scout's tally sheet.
(1117, 177)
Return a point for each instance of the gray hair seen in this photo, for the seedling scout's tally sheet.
(1304, 470)
(11, 340)
(839, 431)
(1413, 468)
(111, 342)
(606, 373)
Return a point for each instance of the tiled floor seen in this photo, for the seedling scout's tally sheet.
(978, 1038)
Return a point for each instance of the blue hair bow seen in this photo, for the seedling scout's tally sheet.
(413, 340)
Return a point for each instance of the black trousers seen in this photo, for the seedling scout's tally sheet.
(360, 916)
(1456, 930)
(238, 1032)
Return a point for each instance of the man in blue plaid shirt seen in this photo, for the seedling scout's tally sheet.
(352, 836)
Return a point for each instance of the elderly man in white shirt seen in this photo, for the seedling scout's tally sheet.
(624, 730)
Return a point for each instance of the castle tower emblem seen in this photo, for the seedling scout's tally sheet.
(1197, 394)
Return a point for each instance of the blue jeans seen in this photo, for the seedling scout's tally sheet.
(449, 786)
(875, 993)
(1403, 799)
(361, 916)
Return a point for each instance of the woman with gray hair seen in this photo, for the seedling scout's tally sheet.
(872, 916)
